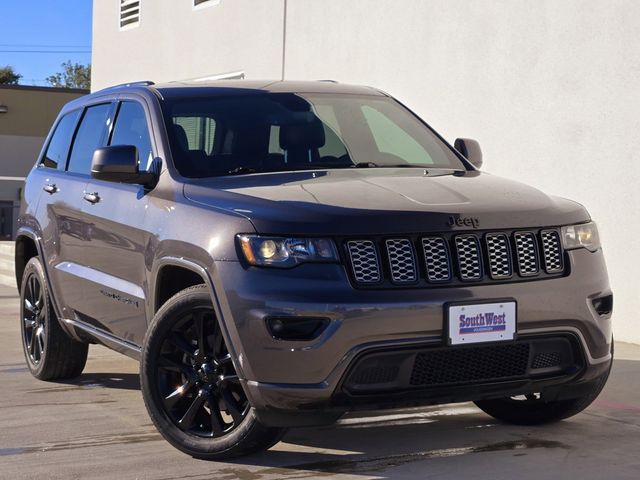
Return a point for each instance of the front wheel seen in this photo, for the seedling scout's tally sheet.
(533, 409)
(190, 387)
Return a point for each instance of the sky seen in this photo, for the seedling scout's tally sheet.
(63, 26)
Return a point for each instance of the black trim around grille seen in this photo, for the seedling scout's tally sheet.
(433, 260)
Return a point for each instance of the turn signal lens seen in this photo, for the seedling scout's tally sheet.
(286, 252)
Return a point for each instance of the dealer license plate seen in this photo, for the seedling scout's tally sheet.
(481, 322)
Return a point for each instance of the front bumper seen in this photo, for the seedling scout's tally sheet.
(296, 383)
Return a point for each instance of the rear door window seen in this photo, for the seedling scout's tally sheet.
(58, 148)
(131, 128)
(91, 134)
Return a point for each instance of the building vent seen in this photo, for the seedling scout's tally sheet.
(129, 13)
(204, 3)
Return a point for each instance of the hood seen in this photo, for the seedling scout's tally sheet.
(382, 201)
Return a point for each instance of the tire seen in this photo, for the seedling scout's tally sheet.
(50, 353)
(536, 411)
(208, 416)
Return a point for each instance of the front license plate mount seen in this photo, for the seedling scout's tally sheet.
(481, 321)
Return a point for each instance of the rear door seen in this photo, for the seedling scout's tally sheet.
(115, 252)
(64, 230)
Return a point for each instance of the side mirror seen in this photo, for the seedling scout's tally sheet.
(119, 163)
(470, 149)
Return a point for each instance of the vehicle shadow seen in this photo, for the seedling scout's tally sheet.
(119, 381)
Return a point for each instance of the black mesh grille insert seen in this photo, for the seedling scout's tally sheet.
(546, 360)
(470, 364)
(376, 374)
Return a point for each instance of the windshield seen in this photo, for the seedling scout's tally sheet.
(213, 136)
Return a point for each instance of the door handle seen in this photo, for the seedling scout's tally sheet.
(92, 197)
(50, 188)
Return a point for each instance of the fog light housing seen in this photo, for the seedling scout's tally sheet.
(296, 328)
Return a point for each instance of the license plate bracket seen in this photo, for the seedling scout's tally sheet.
(481, 321)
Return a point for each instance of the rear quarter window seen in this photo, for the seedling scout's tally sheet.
(58, 148)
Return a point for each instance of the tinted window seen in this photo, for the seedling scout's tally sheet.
(298, 131)
(91, 134)
(131, 129)
(58, 149)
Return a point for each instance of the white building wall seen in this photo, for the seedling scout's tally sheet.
(175, 42)
(549, 88)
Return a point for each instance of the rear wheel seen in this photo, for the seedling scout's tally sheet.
(50, 353)
(533, 409)
(190, 387)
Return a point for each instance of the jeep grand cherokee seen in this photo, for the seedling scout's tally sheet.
(278, 253)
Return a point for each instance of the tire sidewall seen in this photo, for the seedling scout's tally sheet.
(161, 325)
(34, 267)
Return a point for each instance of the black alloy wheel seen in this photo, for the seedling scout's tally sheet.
(195, 377)
(33, 316)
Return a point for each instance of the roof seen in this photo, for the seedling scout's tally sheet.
(240, 87)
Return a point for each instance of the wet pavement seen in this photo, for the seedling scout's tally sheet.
(96, 427)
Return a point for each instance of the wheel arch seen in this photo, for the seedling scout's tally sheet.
(204, 274)
(27, 246)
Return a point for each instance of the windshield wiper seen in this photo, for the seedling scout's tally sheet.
(241, 171)
(365, 165)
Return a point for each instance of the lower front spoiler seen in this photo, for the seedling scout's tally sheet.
(293, 406)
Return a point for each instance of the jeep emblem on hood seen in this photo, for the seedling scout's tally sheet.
(463, 222)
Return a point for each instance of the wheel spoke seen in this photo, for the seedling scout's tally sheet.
(224, 360)
(165, 363)
(217, 424)
(29, 306)
(28, 323)
(182, 344)
(32, 343)
(175, 396)
(187, 419)
(232, 406)
(230, 378)
(201, 337)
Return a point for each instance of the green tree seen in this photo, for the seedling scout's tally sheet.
(73, 75)
(8, 76)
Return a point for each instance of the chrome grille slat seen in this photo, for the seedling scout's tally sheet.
(437, 259)
(552, 251)
(402, 262)
(469, 257)
(364, 260)
(527, 253)
(499, 255)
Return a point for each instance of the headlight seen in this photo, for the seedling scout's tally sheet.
(286, 252)
(581, 236)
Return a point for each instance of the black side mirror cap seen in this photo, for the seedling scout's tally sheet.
(119, 163)
(470, 149)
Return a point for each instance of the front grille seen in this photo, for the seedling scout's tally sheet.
(364, 260)
(437, 259)
(402, 261)
(552, 251)
(470, 364)
(455, 258)
(546, 360)
(469, 259)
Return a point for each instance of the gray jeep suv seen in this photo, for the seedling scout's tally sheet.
(278, 253)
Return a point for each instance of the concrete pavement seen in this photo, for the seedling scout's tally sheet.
(96, 427)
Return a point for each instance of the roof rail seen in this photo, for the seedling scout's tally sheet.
(141, 83)
(328, 80)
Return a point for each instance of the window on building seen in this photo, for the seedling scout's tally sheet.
(91, 135)
(131, 129)
(204, 3)
(129, 13)
(58, 149)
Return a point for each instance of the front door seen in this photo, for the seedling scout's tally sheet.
(115, 253)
